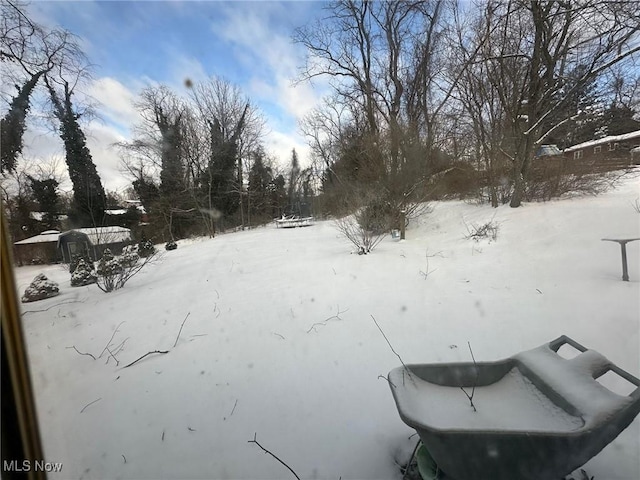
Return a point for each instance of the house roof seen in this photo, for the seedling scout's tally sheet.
(44, 237)
(104, 235)
(609, 139)
(97, 235)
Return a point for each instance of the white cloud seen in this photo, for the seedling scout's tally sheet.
(116, 102)
(100, 140)
(261, 36)
(280, 144)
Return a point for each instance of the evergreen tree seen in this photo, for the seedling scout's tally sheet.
(45, 193)
(581, 105)
(292, 189)
(89, 199)
(619, 119)
(260, 178)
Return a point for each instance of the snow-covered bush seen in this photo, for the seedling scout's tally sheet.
(41, 287)
(108, 265)
(129, 258)
(146, 248)
(83, 274)
(114, 272)
(171, 246)
(73, 264)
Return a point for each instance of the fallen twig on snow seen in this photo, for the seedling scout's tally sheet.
(178, 337)
(473, 390)
(109, 342)
(81, 353)
(52, 306)
(145, 355)
(111, 355)
(267, 451)
(393, 350)
(232, 410)
(387, 379)
(324, 322)
(89, 404)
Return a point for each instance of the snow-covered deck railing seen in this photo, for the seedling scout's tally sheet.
(292, 222)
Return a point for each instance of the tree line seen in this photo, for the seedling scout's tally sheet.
(426, 97)
(424, 89)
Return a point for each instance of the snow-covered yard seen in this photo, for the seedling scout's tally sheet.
(280, 340)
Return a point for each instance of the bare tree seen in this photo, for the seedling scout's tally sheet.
(538, 54)
(223, 104)
(385, 62)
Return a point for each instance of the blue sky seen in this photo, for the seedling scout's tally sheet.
(135, 44)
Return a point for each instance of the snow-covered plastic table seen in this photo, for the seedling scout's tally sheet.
(538, 415)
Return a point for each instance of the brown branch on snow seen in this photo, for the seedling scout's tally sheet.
(52, 306)
(475, 382)
(324, 322)
(387, 379)
(81, 353)
(145, 355)
(88, 404)
(267, 451)
(111, 339)
(232, 410)
(178, 337)
(393, 350)
(120, 347)
(111, 355)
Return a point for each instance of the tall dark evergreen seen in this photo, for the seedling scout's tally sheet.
(13, 124)
(89, 199)
(260, 180)
(220, 177)
(292, 188)
(620, 119)
(171, 175)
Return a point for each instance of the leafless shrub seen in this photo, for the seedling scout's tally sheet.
(486, 230)
(363, 239)
(567, 179)
(428, 271)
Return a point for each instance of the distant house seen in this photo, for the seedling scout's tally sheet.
(42, 248)
(93, 241)
(616, 151)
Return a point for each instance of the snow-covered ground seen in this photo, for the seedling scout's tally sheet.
(280, 340)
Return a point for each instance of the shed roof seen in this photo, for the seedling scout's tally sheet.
(104, 235)
(44, 237)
